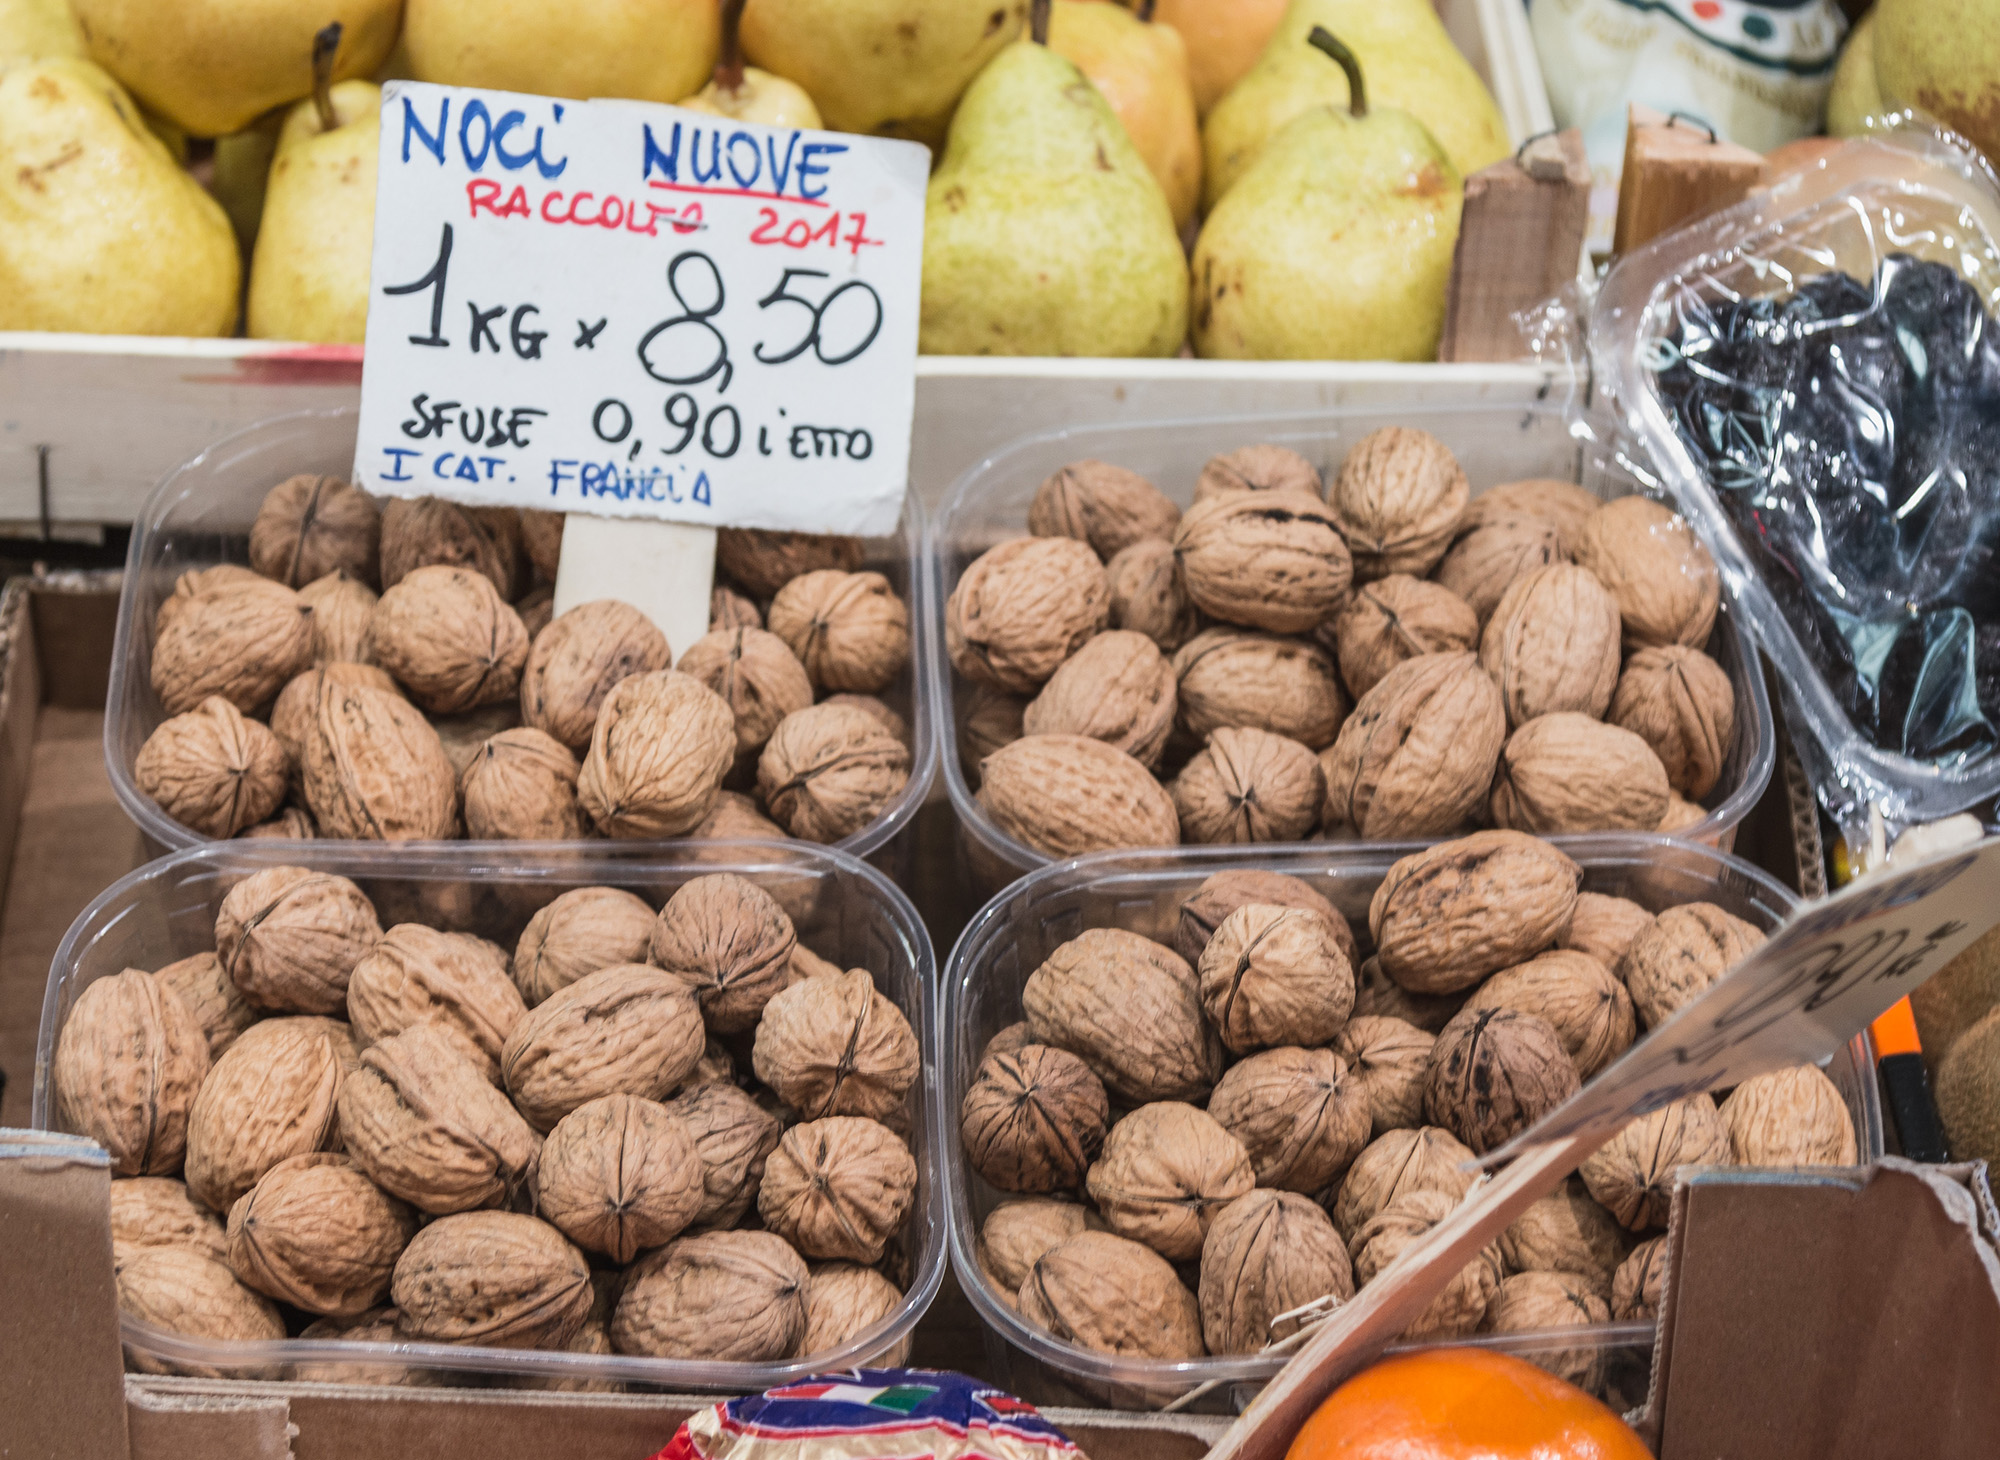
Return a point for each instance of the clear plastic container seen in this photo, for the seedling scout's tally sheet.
(1495, 443)
(843, 909)
(1142, 892)
(200, 516)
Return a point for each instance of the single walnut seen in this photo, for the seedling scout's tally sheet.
(1267, 1253)
(1679, 701)
(585, 929)
(1022, 608)
(1536, 1302)
(310, 526)
(1686, 949)
(1387, 1059)
(521, 786)
(128, 1063)
(450, 639)
(1403, 1161)
(496, 1278)
(739, 1296)
(417, 975)
(1635, 1287)
(830, 770)
(217, 1004)
(1112, 1295)
(838, 1188)
(296, 708)
(1403, 1223)
(1015, 1234)
(1249, 786)
(1552, 644)
(734, 1136)
(1068, 794)
(1148, 596)
(1301, 1120)
(1604, 927)
(849, 630)
(291, 824)
(1166, 1170)
(878, 711)
(212, 770)
(242, 640)
(1396, 619)
(1227, 678)
(1034, 1120)
(619, 1175)
(373, 769)
(341, 608)
(194, 582)
(464, 736)
(1565, 772)
(727, 942)
(156, 1211)
(421, 532)
(844, 1301)
(1567, 1232)
(1376, 995)
(1117, 688)
(1275, 975)
(662, 744)
(1104, 505)
(315, 1233)
(1494, 1072)
(758, 677)
(1566, 504)
(987, 720)
(1274, 562)
(188, 1293)
(625, 1030)
(537, 611)
(1131, 1010)
(1416, 757)
(1257, 469)
(1398, 499)
(1665, 582)
(289, 937)
(1445, 918)
(1487, 558)
(1632, 1174)
(1794, 1117)
(1589, 1009)
(273, 1094)
(762, 562)
(577, 660)
(1223, 892)
(835, 1045)
(729, 609)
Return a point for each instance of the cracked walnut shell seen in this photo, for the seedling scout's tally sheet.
(1664, 580)
(829, 770)
(1387, 1059)
(459, 983)
(1301, 1120)
(720, 1295)
(1487, 558)
(310, 526)
(1402, 1224)
(619, 1175)
(849, 630)
(1069, 794)
(1589, 1009)
(289, 938)
(1275, 976)
(241, 639)
(836, 1045)
(1022, 608)
(1396, 619)
(1552, 644)
(1222, 893)
(274, 1094)
(626, 1030)
(734, 1136)
(1275, 562)
(1108, 1293)
(213, 770)
(1794, 1117)
(1632, 1175)
(579, 658)
(1444, 918)
(1494, 1072)
(520, 785)
(662, 744)
(838, 1188)
(1261, 468)
(1427, 1158)
(491, 1278)
(450, 639)
(1232, 678)
(1104, 505)
(1117, 688)
(762, 562)
(1266, 1254)
(1034, 1120)
(1398, 500)
(1566, 772)
(217, 1004)
(1416, 757)
(422, 532)
(1166, 1170)
(757, 675)
(585, 929)
(728, 942)
(156, 1211)
(1148, 596)
(373, 769)
(316, 1233)
(1131, 1010)
(1249, 786)
(1685, 949)
(127, 1067)
(1679, 701)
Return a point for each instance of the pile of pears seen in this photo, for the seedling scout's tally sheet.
(185, 166)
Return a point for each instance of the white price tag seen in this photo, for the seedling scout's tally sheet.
(632, 310)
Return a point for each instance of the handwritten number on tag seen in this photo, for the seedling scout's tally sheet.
(655, 350)
(434, 281)
(812, 339)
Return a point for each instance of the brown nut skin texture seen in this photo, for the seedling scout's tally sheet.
(310, 526)
(1275, 976)
(1034, 1120)
(735, 817)
(987, 720)
(316, 1233)
(1148, 596)
(877, 710)
(128, 1064)
(156, 1211)
(1267, 1253)
(1665, 582)
(1681, 815)
(1108, 1293)
(1552, 644)
(274, 1094)
(491, 1278)
(289, 938)
(1564, 503)
(537, 610)
(619, 1175)
(1565, 772)
(1022, 608)
(1117, 688)
(1222, 893)
(578, 659)
(719, 1295)
(829, 771)
(541, 541)
(1533, 1302)
(1416, 757)
(242, 640)
(662, 744)
(836, 1045)
(1588, 1008)
(213, 770)
(1166, 1170)
(1387, 1059)
(291, 824)
(1131, 1010)
(1487, 558)
(585, 929)
(342, 607)
(297, 705)
(761, 562)
(521, 786)
(187, 1293)
(1232, 678)
(728, 942)
(1393, 620)
(1680, 702)
(1605, 927)
(1632, 1175)
(1249, 786)
(1566, 1231)
(419, 532)
(1275, 562)
(1403, 1223)
(1261, 468)
(1686, 949)
(1794, 1117)
(838, 1188)
(1301, 1120)
(849, 630)
(1069, 794)
(417, 975)
(373, 769)
(1635, 1287)
(1398, 500)
(842, 1301)
(1427, 1158)
(1016, 1233)
(450, 639)
(1103, 505)
(757, 675)
(626, 1030)
(464, 736)
(729, 609)
(1377, 994)
(1494, 1073)
(734, 1137)
(1445, 918)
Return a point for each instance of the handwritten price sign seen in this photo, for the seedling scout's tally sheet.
(631, 310)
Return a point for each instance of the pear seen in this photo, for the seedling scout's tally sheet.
(1412, 66)
(641, 50)
(37, 30)
(242, 169)
(1224, 39)
(894, 67)
(1943, 57)
(1336, 244)
(1854, 97)
(1142, 70)
(747, 94)
(213, 68)
(99, 232)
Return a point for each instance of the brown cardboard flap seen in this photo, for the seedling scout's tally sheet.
(169, 1426)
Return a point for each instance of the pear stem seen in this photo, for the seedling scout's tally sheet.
(729, 64)
(1324, 40)
(1038, 22)
(325, 44)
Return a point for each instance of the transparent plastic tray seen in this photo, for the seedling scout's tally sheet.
(843, 908)
(200, 516)
(1142, 892)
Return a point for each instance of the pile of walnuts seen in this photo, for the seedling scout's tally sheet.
(304, 703)
(329, 1130)
(1387, 658)
(1194, 1142)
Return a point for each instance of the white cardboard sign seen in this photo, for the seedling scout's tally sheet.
(631, 310)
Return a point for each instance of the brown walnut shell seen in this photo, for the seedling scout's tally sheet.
(619, 1175)
(1261, 468)
(1223, 892)
(835, 1045)
(242, 640)
(1494, 1073)
(291, 824)
(1426, 1158)
(1564, 503)
(878, 711)
(1387, 1060)
(735, 817)
(762, 562)
(1416, 757)
(464, 736)
(1396, 619)
(1131, 1010)
(1565, 772)
(541, 540)
(315, 1233)
(1117, 688)
(1166, 1170)
(537, 611)
(849, 630)
(1403, 1223)
(739, 1296)
(1016, 1233)
(734, 1136)
(1022, 608)
(213, 770)
(758, 677)
(830, 770)
(128, 1064)
(1112, 1295)
(1636, 1286)
(156, 1211)
(625, 1030)
(987, 720)
(1230, 678)
(1249, 786)
(728, 942)
(1486, 560)
(1686, 949)
(1266, 1254)
(297, 705)
(729, 609)
(194, 582)
(1679, 701)
(274, 1094)
(1665, 582)
(341, 608)
(579, 658)
(289, 938)
(193, 1295)
(1069, 794)
(1445, 918)
(450, 639)
(1605, 927)
(491, 1278)
(417, 975)
(310, 526)
(420, 532)
(217, 1004)
(1794, 1117)
(1264, 561)
(844, 1301)
(1380, 996)
(838, 1188)
(1681, 814)
(1398, 500)
(1275, 976)
(1632, 1175)
(373, 769)
(1034, 1120)
(1589, 1009)
(585, 929)
(1565, 1231)
(1301, 1120)
(662, 744)
(521, 786)
(1552, 644)
(1148, 596)
(1104, 505)
(1538, 1302)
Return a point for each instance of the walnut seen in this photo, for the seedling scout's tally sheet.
(1416, 757)
(585, 929)
(1536, 1302)
(728, 942)
(879, 712)
(835, 1045)
(1148, 596)
(1387, 1059)
(289, 937)
(1131, 1010)
(1166, 1170)
(373, 769)
(1016, 1233)
(1022, 608)
(1226, 677)
(341, 608)
(541, 540)
(1396, 619)
(1445, 918)
(1398, 499)
(624, 1030)
(460, 983)
(1566, 1231)
(729, 609)
(763, 562)
(1274, 562)
(838, 1188)
(1113, 1295)
(1104, 505)
(315, 1233)
(1117, 688)
(1068, 794)
(537, 611)
(1404, 1222)
(1494, 1072)
(1249, 786)
(521, 786)
(844, 1301)
(717, 1066)
(829, 771)
(1632, 1174)
(1565, 772)
(1266, 1254)
(662, 744)
(619, 1175)
(450, 639)
(1034, 1120)
(1223, 892)
(194, 582)
(987, 720)
(1564, 503)
(296, 708)
(241, 640)
(1486, 559)
(1679, 701)
(758, 677)
(1635, 1287)
(128, 1063)
(212, 770)
(849, 630)
(1552, 644)
(1012, 1039)
(1380, 996)
(496, 1278)
(1686, 949)
(420, 532)
(735, 817)
(577, 660)
(217, 1004)
(292, 824)
(193, 1295)
(273, 1094)
(1301, 1120)
(310, 526)
(1794, 1117)
(463, 736)
(734, 1136)
(1403, 1161)
(1275, 975)
(1680, 815)
(1589, 1009)
(1257, 469)
(1604, 927)
(156, 1211)
(738, 1296)
(1665, 582)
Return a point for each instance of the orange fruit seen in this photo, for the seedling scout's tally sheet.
(1463, 1404)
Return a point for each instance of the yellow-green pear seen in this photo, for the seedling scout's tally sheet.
(1044, 232)
(309, 276)
(241, 171)
(643, 50)
(1142, 70)
(100, 233)
(214, 66)
(894, 67)
(747, 94)
(1336, 244)
(37, 30)
(1854, 97)
(1943, 57)
(1412, 66)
